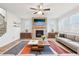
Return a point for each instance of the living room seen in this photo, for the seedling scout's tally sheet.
(39, 29)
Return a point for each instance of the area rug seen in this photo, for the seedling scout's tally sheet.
(23, 48)
(16, 49)
(26, 49)
(46, 50)
(57, 48)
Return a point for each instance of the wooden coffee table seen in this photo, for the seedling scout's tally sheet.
(38, 45)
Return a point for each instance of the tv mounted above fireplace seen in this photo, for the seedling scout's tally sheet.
(39, 22)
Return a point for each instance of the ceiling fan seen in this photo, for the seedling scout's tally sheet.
(40, 9)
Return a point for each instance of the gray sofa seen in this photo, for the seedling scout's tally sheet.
(71, 41)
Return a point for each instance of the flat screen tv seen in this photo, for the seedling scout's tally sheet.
(39, 22)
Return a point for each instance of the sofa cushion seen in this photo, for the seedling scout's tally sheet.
(77, 38)
(61, 35)
(65, 35)
(69, 43)
(71, 37)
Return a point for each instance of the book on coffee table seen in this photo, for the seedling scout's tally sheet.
(33, 42)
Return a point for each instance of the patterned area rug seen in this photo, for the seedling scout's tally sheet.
(16, 49)
(57, 48)
(46, 50)
(22, 48)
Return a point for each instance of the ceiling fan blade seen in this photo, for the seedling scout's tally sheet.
(48, 9)
(35, 13)
(42, 13)
(33, 8)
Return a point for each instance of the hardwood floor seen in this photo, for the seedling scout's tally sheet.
(2, 49)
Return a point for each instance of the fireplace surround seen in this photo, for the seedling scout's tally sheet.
(39, 27)
(39, 33)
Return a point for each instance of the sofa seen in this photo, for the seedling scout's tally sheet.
(69, 40)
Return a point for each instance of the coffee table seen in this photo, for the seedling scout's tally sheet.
(38, 42)
(37, 45)
(33, 42)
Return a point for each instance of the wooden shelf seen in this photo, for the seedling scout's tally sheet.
(39, 27)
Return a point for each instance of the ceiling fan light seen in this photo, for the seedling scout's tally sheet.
(39, 12)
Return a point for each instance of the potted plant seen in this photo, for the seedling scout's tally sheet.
(43, 37)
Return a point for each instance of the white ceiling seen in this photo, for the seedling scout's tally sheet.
(23, 10)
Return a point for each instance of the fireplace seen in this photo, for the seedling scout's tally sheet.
(39, 33)
(39, 27)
